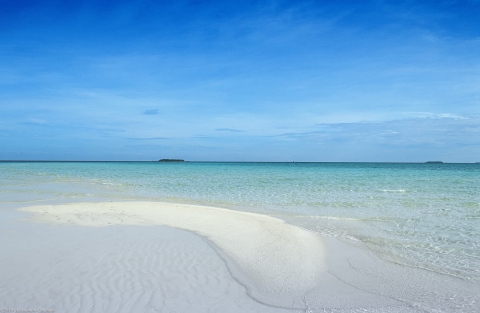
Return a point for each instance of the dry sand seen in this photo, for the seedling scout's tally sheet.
(276, 263)
(159, 257)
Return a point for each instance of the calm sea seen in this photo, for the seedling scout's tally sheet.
(421, 215)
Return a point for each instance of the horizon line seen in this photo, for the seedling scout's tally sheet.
(185, 161)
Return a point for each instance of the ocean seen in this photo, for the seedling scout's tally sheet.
(423, 216)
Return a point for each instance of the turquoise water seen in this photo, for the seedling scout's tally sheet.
(420, 215)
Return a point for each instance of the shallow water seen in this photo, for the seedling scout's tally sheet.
(421, 215)
(423, 218)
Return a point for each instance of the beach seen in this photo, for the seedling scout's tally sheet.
(67, 253)
(240, 156)
(139, 268)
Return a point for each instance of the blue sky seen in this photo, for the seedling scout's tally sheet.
(240, 80)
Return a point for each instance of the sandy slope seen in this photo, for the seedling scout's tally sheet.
(277, 263)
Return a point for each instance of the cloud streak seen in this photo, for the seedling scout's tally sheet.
(229, 130)
(151, 138)
(432, 131)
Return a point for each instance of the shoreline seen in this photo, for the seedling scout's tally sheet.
(147, 238)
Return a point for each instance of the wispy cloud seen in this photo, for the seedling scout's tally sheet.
(230, 130)
(442, 130)
(34, 121)
(434, 115)
(150, 138)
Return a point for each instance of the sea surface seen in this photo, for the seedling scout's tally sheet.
(419, 215)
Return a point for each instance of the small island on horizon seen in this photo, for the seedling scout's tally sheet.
(171, 160)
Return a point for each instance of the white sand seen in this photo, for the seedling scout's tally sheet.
(118, 269)
(276, 262)
(219, 261)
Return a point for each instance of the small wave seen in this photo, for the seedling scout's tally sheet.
(394, 190)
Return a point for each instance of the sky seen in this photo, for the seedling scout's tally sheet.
(325, 81)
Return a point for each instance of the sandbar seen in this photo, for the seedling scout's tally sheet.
(276, 262)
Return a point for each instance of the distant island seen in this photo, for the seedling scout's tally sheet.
(171, 160)
(434, 162)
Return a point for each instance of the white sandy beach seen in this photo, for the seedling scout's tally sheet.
(160, 257)
(273, 259)
(227, 260)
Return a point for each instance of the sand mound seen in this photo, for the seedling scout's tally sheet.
(276, 262)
